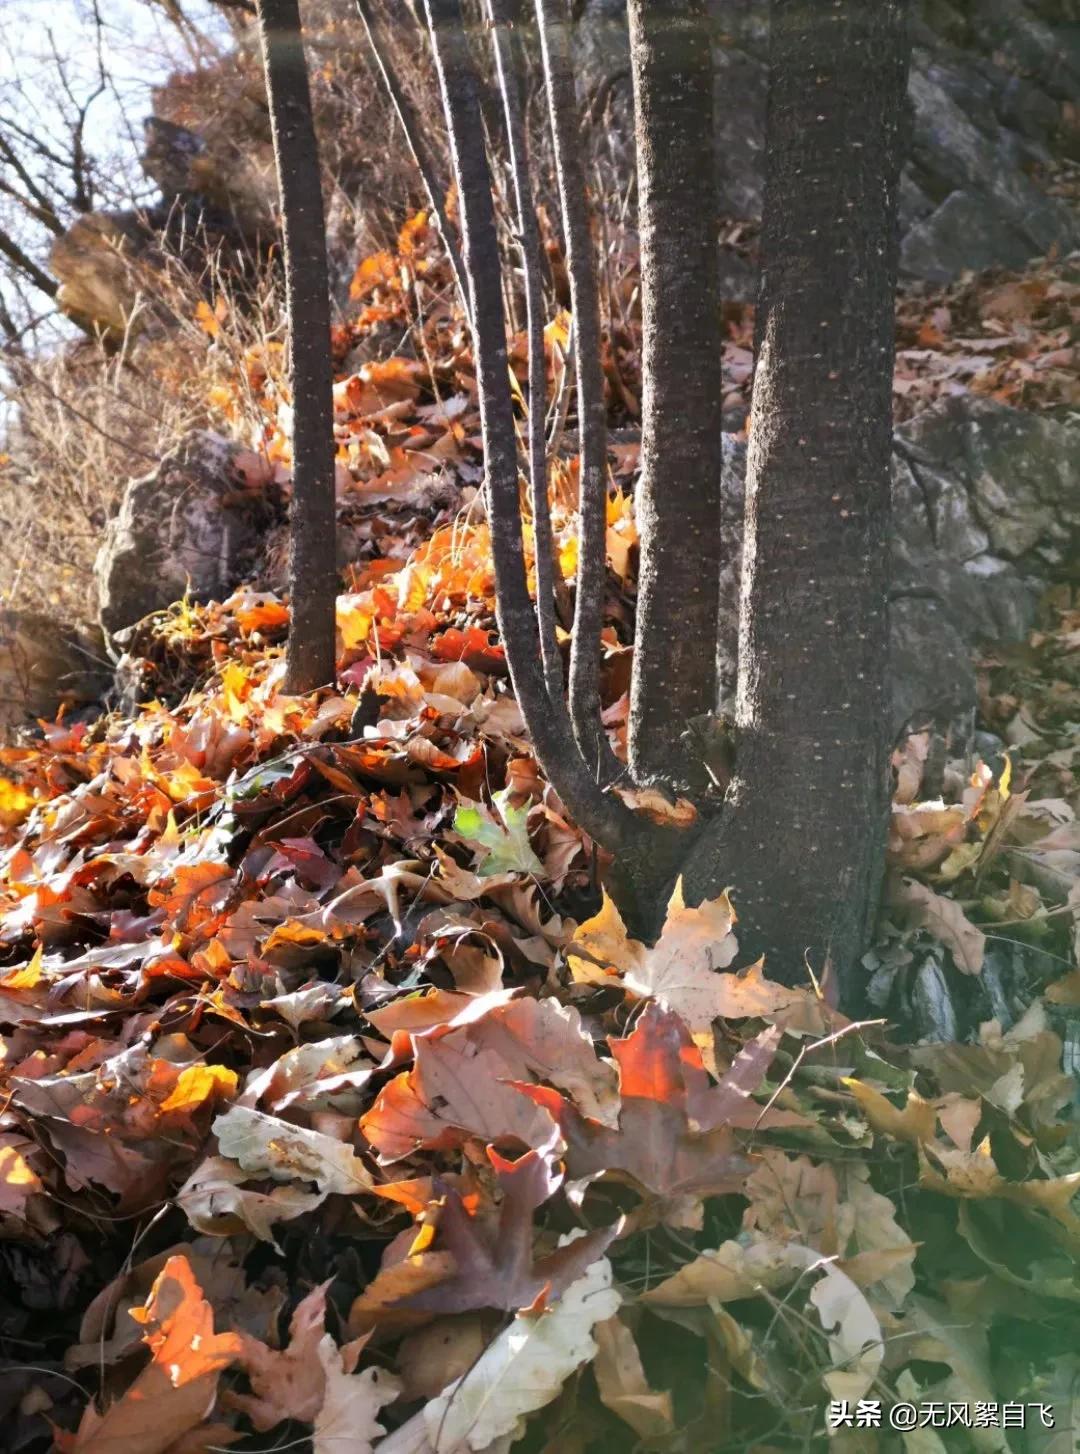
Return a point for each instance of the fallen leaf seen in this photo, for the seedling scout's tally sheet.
(521, 1371)
(271, 1147)
(177, 1388)
(348, 1421)
(921, 907)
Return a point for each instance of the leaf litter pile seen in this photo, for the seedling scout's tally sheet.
(339, 1111)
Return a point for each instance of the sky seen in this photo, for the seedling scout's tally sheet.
(139, 48)
(49, 64)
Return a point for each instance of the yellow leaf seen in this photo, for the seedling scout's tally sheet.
(26, 976)
(15, 803)
(916, 1122)
(198, 1084)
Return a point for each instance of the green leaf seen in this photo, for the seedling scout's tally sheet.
(506, 837)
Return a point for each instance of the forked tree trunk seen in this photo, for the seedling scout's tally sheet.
(803, 839)
(677, 503)
(313, 557)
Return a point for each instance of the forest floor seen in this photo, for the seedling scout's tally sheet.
(323, 1052)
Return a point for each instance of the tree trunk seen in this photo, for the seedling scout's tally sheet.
(554, 26)
(677, 503)
(601, 814)
(313, 577)
(802, 840)
(505, 15)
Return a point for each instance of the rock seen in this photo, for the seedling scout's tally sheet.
(961, 234)
(949, 151)
(995, 92)
(189, 526)
(46, 665)
(1020, 471)
(932, 676)
(738, 277)
(100, 267)
(986, 512)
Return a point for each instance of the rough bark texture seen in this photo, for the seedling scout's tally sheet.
(600, 814)
(803, 841)
(678, 497)
(554, 26)
(313, 575)
(504, 15)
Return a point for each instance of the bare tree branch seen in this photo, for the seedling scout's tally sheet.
(600, 814)
(592, 413)
(27, 266)
(47, 219)
(50, 217)
(504, 15)
(421, 155)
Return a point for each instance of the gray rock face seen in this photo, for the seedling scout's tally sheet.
(993, 86)
(986, 511)
(188, 526)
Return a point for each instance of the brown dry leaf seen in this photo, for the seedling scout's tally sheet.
(880, 1254)
(523, 1369)
(287, 1383)
(216, 1201)
(792, 1200)
(730, 1272)
(656, 1147)
(445, 1350)
(680, 971)
(916, 1122)
(454, 1091)
(176, 1390)
(348, 1421)
(974, 1174)
(657, 808)
(920, 907)
(622, 1385)
(267, 1146)
(491, 1263)
(736, 1270)
(19, 1182)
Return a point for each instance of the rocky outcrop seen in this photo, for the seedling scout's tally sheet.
(986, 513)
(216, 198)
(193, 526)
(101, 263)
(45, 665)
(995, 93)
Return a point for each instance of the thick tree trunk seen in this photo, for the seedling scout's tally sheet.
(313, 576)
(803, 841)
(678, 497)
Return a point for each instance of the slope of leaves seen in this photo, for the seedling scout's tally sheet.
(339, 1111)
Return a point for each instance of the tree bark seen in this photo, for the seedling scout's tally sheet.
(803, 842)
(313, 577)
(677, 503)
(554, 26)
(504, 15)
(601, 814)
